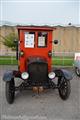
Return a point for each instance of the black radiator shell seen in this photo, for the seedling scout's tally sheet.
(38, 73)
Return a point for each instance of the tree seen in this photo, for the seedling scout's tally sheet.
(9, 40)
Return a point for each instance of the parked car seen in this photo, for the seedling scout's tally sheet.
(77, 63)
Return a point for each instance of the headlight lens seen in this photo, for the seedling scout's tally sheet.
(24, 75)
(51, 75)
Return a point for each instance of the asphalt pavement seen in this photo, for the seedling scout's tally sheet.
(45, 106)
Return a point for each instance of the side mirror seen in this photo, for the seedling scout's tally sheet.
(55, 42)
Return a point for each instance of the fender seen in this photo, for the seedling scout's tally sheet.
(8, 76)
(63, 73)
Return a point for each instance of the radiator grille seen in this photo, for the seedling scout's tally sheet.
(38, 73)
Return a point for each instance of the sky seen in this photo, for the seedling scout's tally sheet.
(40, 12)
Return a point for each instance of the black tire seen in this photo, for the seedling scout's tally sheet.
(10, 91)
(64, 88)
(77, 71)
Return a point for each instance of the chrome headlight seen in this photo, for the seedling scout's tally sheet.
(51, 75)
(24, 75)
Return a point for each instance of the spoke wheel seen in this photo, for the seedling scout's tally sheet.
(64, 88)
(10, 91)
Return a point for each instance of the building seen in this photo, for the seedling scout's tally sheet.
(68, 36)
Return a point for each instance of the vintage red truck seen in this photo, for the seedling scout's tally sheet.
(34, 54)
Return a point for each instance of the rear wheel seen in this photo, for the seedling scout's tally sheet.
(10, 91)
(64, 88)
(77, 71)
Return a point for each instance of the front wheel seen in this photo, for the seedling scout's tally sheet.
(64, 88)
(10, 91)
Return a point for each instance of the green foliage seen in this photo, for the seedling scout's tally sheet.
(9, 41)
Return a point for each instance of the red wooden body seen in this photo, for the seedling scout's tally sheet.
(36, 51)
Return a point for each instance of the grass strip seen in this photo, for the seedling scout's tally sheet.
(67, 61)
